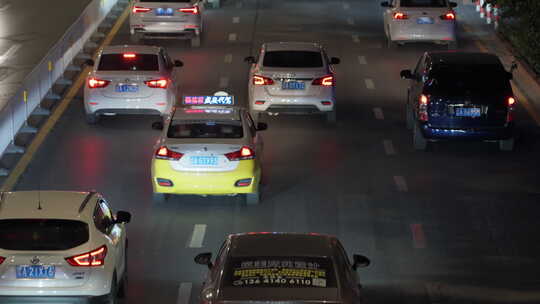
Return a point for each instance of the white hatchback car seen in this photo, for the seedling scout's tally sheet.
(130, 79)
(292, 78)
(420, 21)
(166, 19)
(61, 247)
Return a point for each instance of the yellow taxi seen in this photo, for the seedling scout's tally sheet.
(208, 147)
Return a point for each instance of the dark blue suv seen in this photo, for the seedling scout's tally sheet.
(459, 95)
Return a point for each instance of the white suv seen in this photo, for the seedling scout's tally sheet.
(61, 247)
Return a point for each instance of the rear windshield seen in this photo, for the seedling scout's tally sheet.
(477, 80)
(118, 62)
(205, 129)
(279, 272)
(42, 234)
(293, 59)
(423, 3)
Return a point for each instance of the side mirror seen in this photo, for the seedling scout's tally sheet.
(204, 258)
(178, 63)
(123, 217)
(385, 4)
(89, 62)
(261, 126)
(406, 74)
(453, 4)
(513, 67)
(250, 59)
(158, 125)
(360, 261)
(334, 60)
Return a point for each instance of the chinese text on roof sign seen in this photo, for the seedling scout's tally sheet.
(209, 100)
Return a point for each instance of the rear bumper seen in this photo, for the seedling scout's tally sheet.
(496, 133)
(56, 300)
(439, 33)
(166, 29)
(129, 112)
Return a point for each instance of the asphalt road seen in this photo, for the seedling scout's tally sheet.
(457, 224)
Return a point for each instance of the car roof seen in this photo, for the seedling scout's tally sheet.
(281, 244)
(42, 204)
(206, 113)
(142, 49)
(464, 58)
(292, 46)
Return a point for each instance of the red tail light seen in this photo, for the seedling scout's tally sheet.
(2, 259)
(510, 102)
(326, 81)
(129, 55)
(243, 153)
(449, 16)
(140, 9)
(423, 102)
(94, 83)
(92, 258)
(164, 153)
(158, 83)
(261, 80)
(400, 16)
(191, 10)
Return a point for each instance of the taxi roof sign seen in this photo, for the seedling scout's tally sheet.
(209, 100)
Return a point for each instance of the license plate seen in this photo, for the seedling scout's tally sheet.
(164, 12)
(293, 85)
(468, 112)
(424, 20)
(35, 272)
(127, 88)
(204, 160)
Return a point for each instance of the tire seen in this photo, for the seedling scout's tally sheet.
(113, 295)
(452, 45)
(409, 119)
(507, 145)
(122, 290)
(92, 119)
(331, 118)
(390, 44)
(253, 198)
(419, 141)
(135, 38)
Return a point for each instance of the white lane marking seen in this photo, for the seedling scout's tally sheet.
(228, 58)
(223, 82)
(355, 38)
(346, 6)
(362, 60)
(235, 19)
(232, 37)
(389, 147)
(238, 4)
(184, 293)
(350, 21)
(10, 52)
(401, 184)
(197, 237)
(378, 113)
(369, 83)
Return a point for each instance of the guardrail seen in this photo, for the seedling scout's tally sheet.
(39, 82)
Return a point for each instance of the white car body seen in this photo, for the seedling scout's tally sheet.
(406, 21)
(277, 97)
(113, 98)
(80, 284)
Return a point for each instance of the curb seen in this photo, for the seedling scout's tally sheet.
(520, 59)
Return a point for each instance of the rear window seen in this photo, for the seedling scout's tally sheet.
(474, 80)
(279, 272)
(205, 129)
(423, 3)
(42, 234)
(292, 59)
(117, 62)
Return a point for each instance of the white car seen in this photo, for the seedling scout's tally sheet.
(166, 19)
(61, 247)
(292, 78)
(420, 21)
(130, 79)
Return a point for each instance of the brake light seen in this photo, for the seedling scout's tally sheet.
(400, 16)
(510, 101)
(158, 83)
(326, 81)
(140, 9)
(2, 259)
(94, 83)
(89, 259)
(243, 153)
(261, 80)
(449, 16)
(129, 55)
(422, 107)
(164, 153)
(192, 10)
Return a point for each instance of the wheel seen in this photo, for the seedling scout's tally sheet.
(419, 141)
(92, 119)
(160, 197)
(122, 291)
(389, 43)
(253, 198)
(452, 45)
(113, 295)
(507, 145)
(135, 38)
(409, 115)
(331, 117)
